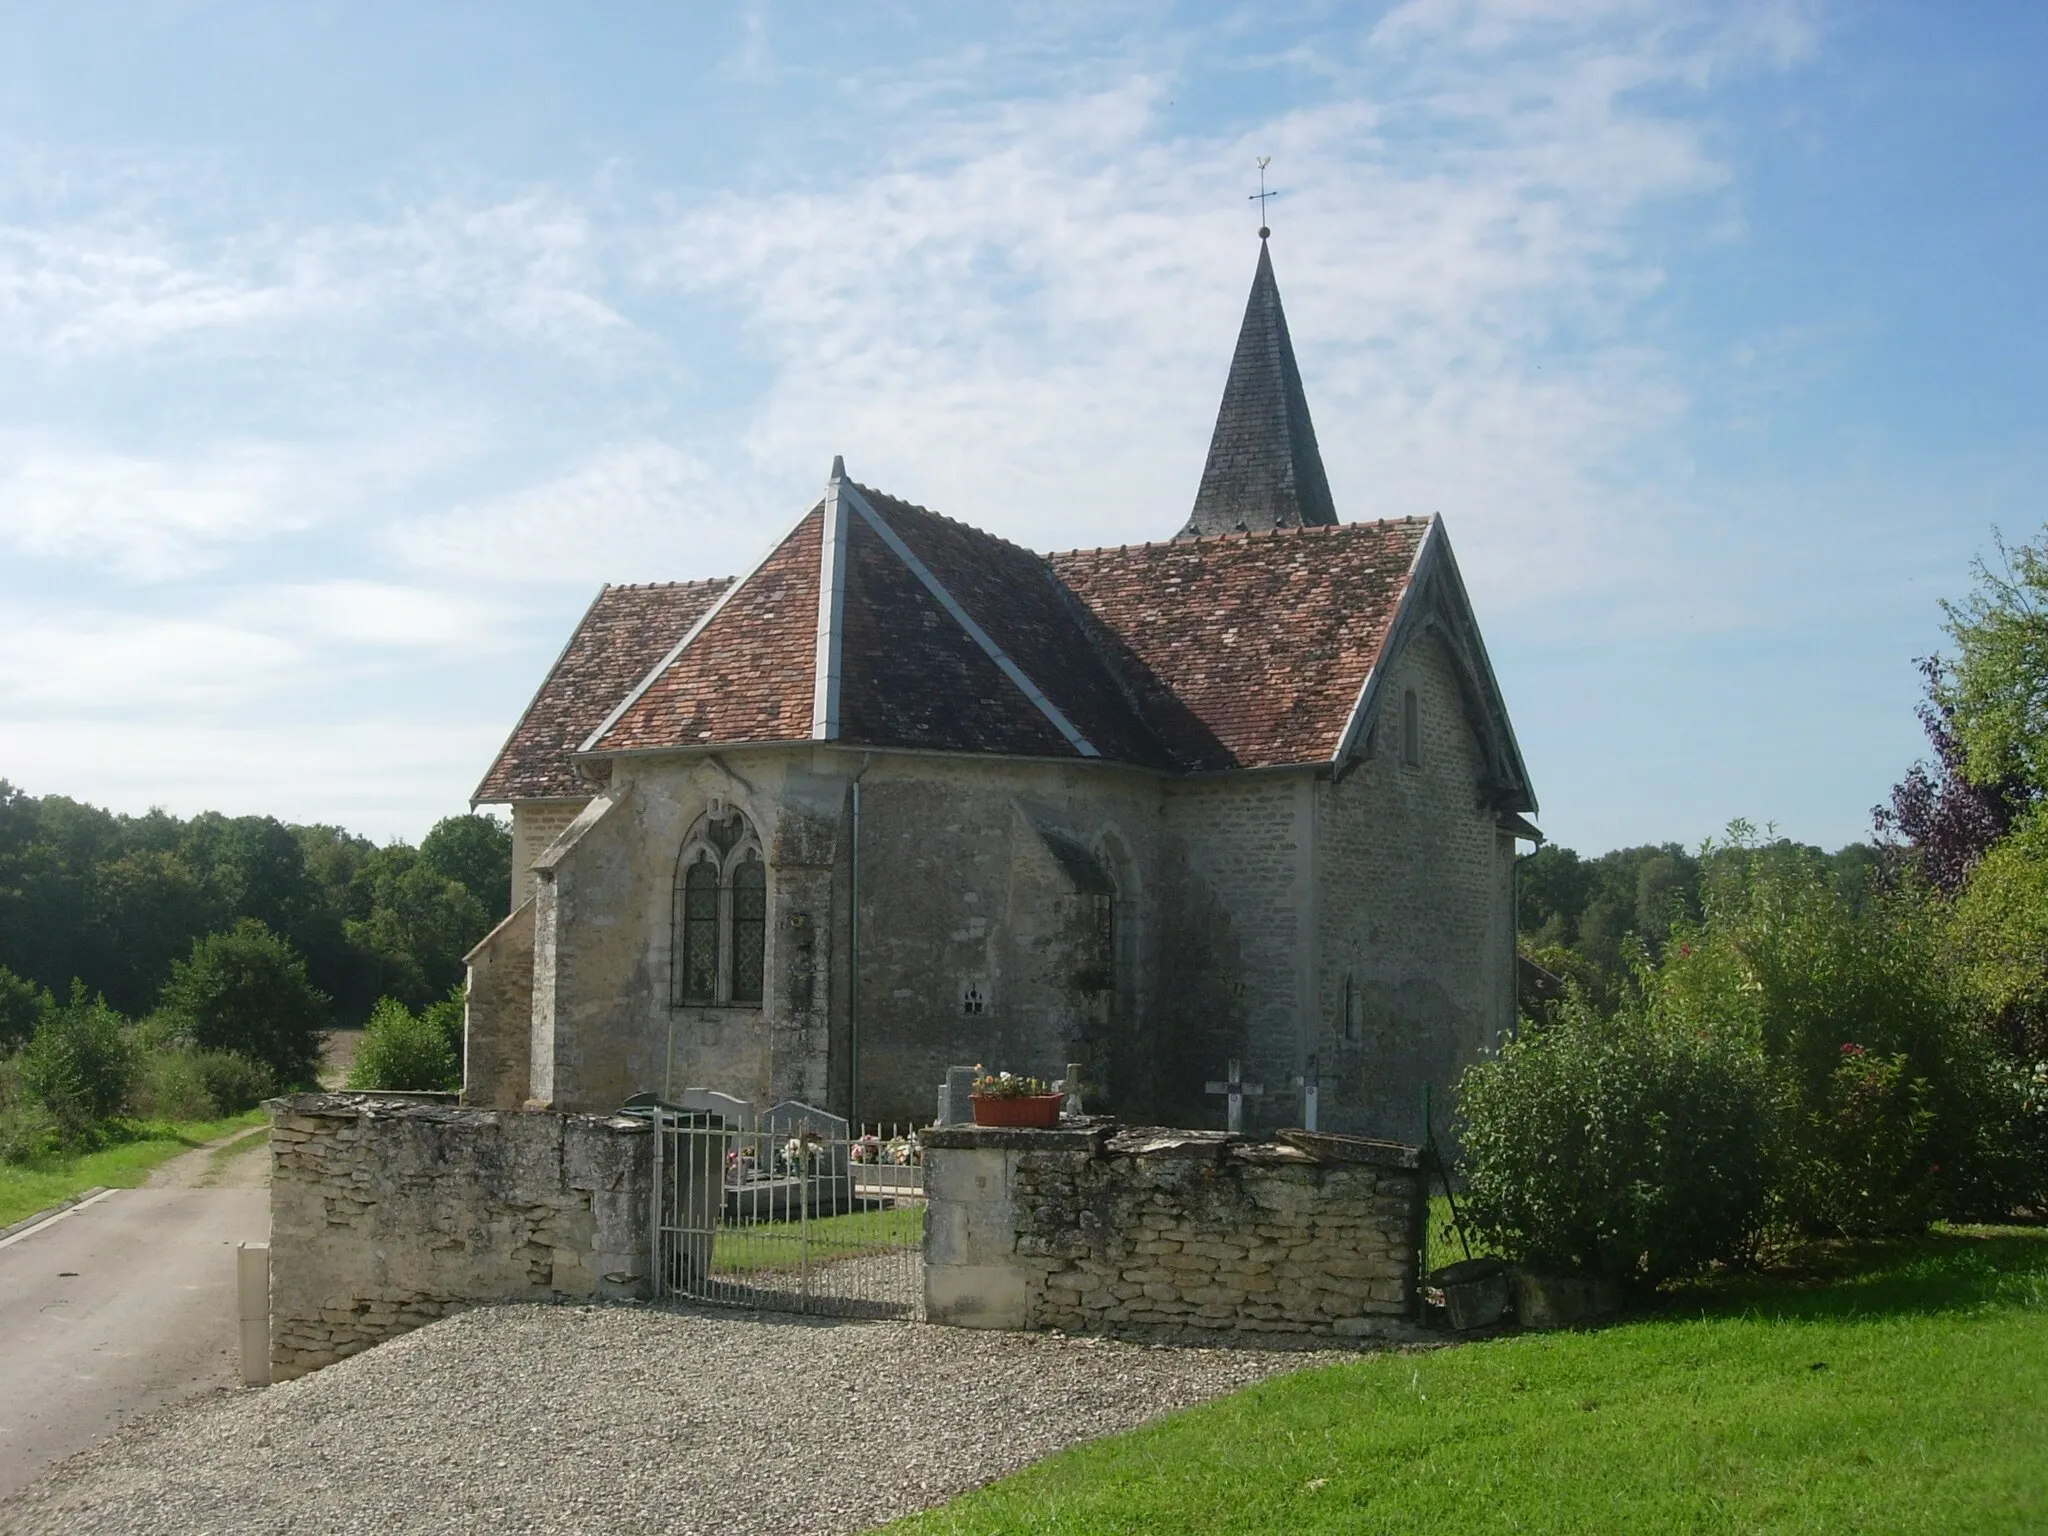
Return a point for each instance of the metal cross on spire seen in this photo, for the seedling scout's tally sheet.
(1262, 195)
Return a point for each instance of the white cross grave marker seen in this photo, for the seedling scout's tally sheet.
(1238, 1090)
(1309, 1082)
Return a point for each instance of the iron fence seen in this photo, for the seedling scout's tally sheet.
(794, 1215)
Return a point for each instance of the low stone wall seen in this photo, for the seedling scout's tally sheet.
(1171, 1233)
(386, 1214)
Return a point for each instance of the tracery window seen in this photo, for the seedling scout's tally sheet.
(720, 922)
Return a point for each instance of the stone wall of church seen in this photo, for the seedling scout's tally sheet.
(497, 1015)
(1415, 914)
(979, 941)
(535, 824)
(1234, 976)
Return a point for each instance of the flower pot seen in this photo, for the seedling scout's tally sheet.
(1034, 1111)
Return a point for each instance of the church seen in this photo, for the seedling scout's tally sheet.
(905, 795)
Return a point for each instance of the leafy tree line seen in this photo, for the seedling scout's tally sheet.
(116, 901)
(154, 969)
(1759, 1041)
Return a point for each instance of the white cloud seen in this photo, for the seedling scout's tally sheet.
(146, 517)
(97, 663)
(633, 511)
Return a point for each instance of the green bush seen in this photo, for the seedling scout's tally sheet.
(402, 1050)
(26, 1130)
(1619, 1146)
(78, 1066)
(246, 991)
(179, 1083)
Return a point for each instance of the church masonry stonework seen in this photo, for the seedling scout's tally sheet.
(906, 796)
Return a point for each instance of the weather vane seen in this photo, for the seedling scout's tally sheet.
(1261, 195)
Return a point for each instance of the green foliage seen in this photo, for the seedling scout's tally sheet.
(116, 900)
(1997, 683)
(246, 991)
(1998, 938)
(1620, 1146)
(403, 1050)
(176, 1084)
(419, 925)
(476, 853)
(22, 1006)
(26, 1129)
(1869, 1171)
(78, 1066)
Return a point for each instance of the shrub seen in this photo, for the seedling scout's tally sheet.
(402, 1050)
(1869, 1171)
(78, 1066)
(1619, 1146)
(246, 991)
(26, 1129)
(180, 1083)
(233, 1081)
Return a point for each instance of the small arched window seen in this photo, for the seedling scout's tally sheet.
(1411, 729)
(720, 938)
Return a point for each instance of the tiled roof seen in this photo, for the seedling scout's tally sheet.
(1204, 654)
(746, 676)
(1249, 650)
(1264, 469)
(623, 633)
(1012, 594)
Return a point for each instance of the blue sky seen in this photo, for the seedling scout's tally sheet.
(348, 348)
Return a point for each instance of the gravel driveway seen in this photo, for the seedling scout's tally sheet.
(628, 1419)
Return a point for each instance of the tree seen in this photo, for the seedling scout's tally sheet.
(1996, 686)
(420, 925)
(402, 1050)
(22, 1006)
(475, 851)
(1946, 819)
(78, 1065)
(246, 991)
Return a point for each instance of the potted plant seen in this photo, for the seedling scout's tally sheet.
(1003, 1098)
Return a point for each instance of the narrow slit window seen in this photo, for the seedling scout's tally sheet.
(1411, 729)
(749, 928)
(697, 932)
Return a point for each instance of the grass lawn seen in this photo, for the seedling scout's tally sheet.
(1902, 1388)
(774, 1245)
(26, 1188)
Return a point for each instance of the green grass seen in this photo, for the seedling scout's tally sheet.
(26, 1188)
(777, 1245)
(1902, 1389)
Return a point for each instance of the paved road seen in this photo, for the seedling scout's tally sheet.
(122, 1307)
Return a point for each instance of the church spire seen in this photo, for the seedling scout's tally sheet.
(1264, 470)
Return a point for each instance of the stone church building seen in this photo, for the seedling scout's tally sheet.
(906, 795)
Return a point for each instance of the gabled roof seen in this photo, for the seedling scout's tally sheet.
(1264, 469)
(874, 622)
(926, 633)
(1250, 650)
(620, 635)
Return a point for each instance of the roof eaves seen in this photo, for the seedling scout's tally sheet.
(619, 710)
(527, 713)
(965, 620)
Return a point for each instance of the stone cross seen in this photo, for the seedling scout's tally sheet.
(1309, 1082)
(1237, 1090)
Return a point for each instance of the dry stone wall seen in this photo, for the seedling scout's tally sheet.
(385, 1215)
(1171, 1233)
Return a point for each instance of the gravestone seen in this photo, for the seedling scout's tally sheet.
(737, 1113)
(826, 1156)
(1235, 1090)
(954, 1093)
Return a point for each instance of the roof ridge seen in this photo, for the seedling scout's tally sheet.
(1246, 534)
(957, 522)
(647, 586)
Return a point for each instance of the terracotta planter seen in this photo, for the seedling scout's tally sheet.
(1037, 1111)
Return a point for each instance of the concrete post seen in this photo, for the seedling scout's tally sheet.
(252, 1292)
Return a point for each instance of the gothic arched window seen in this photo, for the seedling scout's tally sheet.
(720, 923)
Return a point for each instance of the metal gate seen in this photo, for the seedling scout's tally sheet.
(793, 1214)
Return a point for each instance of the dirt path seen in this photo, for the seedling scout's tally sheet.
(239, 1160)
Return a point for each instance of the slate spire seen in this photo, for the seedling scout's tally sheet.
(1264, 470)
